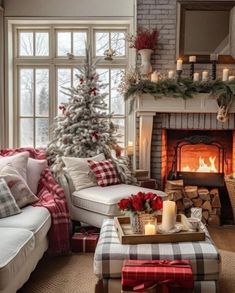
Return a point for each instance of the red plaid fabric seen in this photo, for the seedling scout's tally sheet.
(104, 171)
(171, 276)
(52, 197)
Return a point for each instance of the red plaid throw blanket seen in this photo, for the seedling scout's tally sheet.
(51, 196)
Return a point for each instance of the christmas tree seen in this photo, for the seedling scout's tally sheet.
(84, 129)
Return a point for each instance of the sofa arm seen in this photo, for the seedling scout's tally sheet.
(66, 183)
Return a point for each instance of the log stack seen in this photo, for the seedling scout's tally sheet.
(187, 197)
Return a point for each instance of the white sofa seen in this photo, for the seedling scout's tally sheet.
(94, 204)
(23, 241)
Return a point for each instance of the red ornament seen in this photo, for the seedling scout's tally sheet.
(95, 136)
(62, 108)
(93, 90)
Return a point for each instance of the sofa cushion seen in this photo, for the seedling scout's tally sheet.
(18, 186)
(15, 246)
(18, 161)
(104, 172)
(8, 205)
(103, 200)
(80, 172)
(34, 170)
(34, 219)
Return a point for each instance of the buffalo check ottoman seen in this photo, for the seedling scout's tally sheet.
(110, 254)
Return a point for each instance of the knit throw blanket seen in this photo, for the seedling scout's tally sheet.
(51, 196)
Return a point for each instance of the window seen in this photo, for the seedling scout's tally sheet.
(45, 64)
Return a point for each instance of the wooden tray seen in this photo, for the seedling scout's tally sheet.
(126, 235)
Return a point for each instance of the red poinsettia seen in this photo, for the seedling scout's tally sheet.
(141, 202)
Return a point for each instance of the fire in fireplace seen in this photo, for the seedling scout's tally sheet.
(199, 159)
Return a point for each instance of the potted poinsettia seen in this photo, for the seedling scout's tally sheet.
(141, 207)
(145, 42)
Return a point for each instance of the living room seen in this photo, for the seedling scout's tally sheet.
(117, 146)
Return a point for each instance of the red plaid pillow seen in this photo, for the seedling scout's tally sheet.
(104, 171)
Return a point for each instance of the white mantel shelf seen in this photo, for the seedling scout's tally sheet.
(147, 107)
(200, 103)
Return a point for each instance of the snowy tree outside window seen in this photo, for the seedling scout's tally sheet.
(46, 61)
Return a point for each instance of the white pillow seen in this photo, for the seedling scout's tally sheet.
(34, 170)
(18, 186)
(18, 161)
(79, 171)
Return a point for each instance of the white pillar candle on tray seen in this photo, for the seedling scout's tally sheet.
(155, 76)
(205, 75)
(171, 74)
(168, 215)
(149, 229)
(196, 76)
(179, 64)
(225, 74)
(192, 59)
(231, 77)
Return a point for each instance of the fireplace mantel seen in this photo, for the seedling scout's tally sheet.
(201, 103)
(148, 106)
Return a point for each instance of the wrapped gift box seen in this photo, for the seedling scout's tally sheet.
(84, 242)
(157, 276)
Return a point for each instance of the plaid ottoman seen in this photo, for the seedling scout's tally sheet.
(110, 253)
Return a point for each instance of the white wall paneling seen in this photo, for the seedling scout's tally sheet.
(69, 8)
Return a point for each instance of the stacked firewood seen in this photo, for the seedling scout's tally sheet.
(187, 197)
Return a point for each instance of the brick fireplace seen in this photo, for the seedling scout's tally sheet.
(163, 123)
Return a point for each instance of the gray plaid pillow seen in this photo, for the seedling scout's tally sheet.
(8, 205)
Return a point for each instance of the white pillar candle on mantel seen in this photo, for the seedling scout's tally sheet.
(179, 64)
(225, 74)
(231, 77)
(196, 76)
(149, 229)
(168, 215)
(171, 74)
(192, 59)
(155, 76)
(205, 75)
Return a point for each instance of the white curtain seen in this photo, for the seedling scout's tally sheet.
(2, 106)
(232, 32)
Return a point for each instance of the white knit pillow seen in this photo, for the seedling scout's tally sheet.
(79, 171)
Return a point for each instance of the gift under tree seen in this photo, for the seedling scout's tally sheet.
(83, 129)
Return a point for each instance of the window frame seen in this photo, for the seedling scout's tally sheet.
(53, 62)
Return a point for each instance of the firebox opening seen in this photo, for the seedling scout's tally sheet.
(209, 151)
(199, 158)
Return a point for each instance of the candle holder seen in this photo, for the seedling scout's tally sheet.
(191, 69)
(179, 73)
(214, 69)
(150, 226)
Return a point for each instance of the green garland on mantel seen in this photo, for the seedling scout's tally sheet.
(224, 92)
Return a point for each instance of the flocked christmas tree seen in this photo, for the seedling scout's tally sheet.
(84, 129)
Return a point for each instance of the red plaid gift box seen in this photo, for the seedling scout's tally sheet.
(84, 242)
(164, 276)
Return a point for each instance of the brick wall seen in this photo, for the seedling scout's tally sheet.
(162, 15)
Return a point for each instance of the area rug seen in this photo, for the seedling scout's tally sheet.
(74, 273)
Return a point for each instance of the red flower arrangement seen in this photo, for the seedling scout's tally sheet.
(141, 202)
(143, 40)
